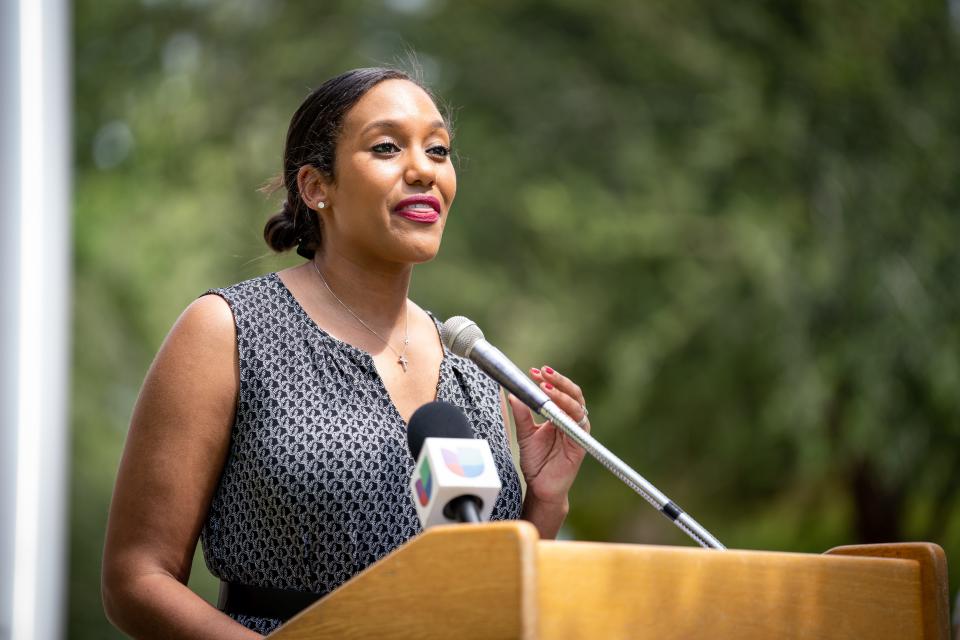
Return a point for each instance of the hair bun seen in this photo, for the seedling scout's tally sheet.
(281, 232)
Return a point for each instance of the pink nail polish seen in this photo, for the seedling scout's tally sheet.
(535, 372)
(548, 386)
(549, 370)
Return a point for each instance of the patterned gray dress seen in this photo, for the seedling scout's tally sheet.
(315, 483)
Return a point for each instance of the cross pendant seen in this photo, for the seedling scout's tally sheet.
(402, 361)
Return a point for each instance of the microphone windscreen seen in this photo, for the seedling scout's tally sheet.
(436, 420)
(459, 334)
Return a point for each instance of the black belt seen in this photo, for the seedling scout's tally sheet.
(263, 602)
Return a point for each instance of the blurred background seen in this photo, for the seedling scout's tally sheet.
(734, 224)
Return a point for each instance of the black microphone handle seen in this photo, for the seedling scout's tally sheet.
(464, 509)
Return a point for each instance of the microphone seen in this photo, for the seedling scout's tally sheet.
(454, 478)
(464, 338)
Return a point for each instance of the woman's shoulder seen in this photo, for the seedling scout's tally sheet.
(208, 319)
(212, 315)
(255, 297)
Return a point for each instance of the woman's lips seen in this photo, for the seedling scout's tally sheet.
(417, 216)
(424, 209)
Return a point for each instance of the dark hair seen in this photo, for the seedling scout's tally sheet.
(312, 140)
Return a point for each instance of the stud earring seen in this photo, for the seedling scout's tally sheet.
(321, 205)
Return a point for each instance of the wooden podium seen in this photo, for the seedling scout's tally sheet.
(500, 581)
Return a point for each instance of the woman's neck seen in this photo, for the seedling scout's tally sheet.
(376, 294)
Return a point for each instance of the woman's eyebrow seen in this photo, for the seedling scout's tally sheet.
(394, 124)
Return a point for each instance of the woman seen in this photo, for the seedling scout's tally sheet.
(272, 422)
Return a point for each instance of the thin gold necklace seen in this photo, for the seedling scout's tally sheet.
(401, 355)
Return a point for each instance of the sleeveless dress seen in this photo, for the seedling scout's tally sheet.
(315, 485)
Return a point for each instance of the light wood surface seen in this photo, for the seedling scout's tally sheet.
(934, 590)
(498, 581)
(459, 581)
(627, 591)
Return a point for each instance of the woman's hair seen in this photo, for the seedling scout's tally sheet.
(312, 140)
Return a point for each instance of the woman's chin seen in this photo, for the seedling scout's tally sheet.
(419, 248)
(424, 253)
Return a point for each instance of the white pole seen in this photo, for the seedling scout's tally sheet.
(9, 210)
(35, 197)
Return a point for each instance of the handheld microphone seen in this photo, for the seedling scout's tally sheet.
(464, 338)
(455, 478)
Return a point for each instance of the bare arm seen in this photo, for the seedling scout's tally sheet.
(178, 441)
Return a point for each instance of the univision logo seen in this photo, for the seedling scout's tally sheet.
(465, 461)
(424, 483)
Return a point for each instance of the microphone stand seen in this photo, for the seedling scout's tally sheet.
(631, 478)
(499, 367)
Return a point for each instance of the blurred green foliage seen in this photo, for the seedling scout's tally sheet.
(734, 224)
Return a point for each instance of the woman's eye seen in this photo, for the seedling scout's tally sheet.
(385, 147)
(439, 150)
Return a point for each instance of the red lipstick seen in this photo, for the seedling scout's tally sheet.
(425, 209)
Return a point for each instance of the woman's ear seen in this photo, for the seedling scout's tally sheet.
(313, 187)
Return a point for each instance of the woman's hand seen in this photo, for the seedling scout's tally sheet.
(549, 459)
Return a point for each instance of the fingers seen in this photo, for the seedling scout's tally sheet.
(560, 381)
(563, 391)
(522, 417)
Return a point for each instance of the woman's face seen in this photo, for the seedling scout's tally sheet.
(394, 180)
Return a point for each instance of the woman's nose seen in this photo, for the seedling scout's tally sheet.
(420, 170)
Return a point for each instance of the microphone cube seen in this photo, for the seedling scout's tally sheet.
(449, 468)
